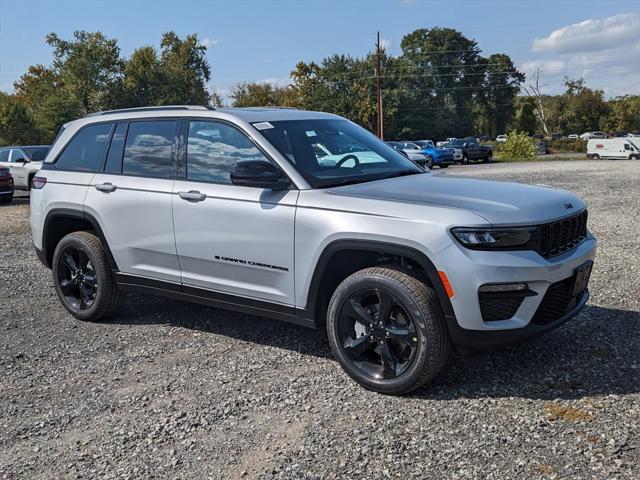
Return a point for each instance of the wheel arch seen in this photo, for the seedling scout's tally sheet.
(317, 298)
(62, 221)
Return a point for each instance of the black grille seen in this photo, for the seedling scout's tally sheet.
(494, 306)
(557, 302)
(558, 237)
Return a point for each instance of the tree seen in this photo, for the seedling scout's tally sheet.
(144, 78)
(624, 114)
(17, 125)
(185, 70)
(580, 108)
(59, 108)
(262, 94)
(498, 97)
(89, 65)
(535, 90)
(525, 117)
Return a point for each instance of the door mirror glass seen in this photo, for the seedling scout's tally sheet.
(259, 174)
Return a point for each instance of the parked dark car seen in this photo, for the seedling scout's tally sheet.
(484, 138)
(538, 136)
(620, 134)
(6, 185)
(556, 136)
(472, 150)
(542, 148)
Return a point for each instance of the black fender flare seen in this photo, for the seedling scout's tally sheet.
(390, 249)
(59, 213)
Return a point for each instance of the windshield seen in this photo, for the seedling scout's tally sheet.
(455, 143)
(330, 152)
(425, 144)
(36, 154)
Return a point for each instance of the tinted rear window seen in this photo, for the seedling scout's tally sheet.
(85, 151)
(4, 155)
(148, 149)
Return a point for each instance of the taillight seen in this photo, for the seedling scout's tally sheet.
(38, 182)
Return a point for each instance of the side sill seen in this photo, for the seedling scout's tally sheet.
(202, 296)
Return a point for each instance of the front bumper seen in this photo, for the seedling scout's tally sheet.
(467, 270)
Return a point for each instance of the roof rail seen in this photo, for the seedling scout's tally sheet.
(151, 109)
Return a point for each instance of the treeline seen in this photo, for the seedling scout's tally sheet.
(439, 86)
(89, 74)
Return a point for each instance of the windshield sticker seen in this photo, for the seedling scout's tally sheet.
(263, 125)
(311, 133)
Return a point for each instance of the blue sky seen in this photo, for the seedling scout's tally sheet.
(263, 40)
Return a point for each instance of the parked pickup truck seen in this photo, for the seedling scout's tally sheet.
(472, 150)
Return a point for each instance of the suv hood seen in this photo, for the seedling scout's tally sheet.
(500, 203)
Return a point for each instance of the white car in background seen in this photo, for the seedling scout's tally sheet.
(23, 163)
(501, 138)
(573, 136)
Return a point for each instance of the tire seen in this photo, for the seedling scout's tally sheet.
(89, 294)
(596, 156)
(465, 159)
(633, 157)
(489, 158)
(6, 199)
(445, 165)
(367, 352)
(429, 163)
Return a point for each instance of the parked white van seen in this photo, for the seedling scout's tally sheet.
(624, 148)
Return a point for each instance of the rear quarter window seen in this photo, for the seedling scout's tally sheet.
(85, 151)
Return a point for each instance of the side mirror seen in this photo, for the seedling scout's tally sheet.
(259, 174)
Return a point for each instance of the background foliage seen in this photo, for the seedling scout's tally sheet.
(439, 86)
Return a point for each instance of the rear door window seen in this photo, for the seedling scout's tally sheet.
(149, 148)
(4, 155)
(85, 151)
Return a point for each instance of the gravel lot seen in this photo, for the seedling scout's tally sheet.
(182, 391)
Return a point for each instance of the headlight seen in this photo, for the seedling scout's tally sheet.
(494, 238)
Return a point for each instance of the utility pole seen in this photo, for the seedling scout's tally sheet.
(380, 124)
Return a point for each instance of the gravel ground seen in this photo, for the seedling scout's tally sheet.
(183, 391)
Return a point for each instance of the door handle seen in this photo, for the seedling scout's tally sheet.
(192, 196)
(105, 187)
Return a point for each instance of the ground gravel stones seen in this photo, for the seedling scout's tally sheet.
(172, 390)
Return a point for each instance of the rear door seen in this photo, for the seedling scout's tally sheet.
(131, 198)
(232, 239)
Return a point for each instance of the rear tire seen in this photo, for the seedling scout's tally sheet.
(444, 165)
(6, 199)
(83, 279)
(429, 163)
(465, 159)
(387, 330)
(488, 158)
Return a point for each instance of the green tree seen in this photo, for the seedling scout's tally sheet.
(144, 80)
(624, 114)
(17, 125)
(262, 94)
(525, 117)
(59, 108)
(89, 65)
(185, 70)
(579, 109)
(497, 97)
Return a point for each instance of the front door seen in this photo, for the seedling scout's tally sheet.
(231, 239)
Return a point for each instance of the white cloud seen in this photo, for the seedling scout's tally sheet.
(385, 44)
(591, 35)
(209, 42)
(550, 67)
(277, 81)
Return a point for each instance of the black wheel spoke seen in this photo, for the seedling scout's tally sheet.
(385, 304)
(82, 259)
(69, 262)
(403, 334)
(67, 286)
(389, 361)
(356, 347)
(90, 279)
(359, 313)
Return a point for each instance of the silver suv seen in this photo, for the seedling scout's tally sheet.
(308, 218)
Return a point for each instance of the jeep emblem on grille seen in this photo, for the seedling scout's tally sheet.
(568, 206)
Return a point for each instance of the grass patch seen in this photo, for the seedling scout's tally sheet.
(567, 413)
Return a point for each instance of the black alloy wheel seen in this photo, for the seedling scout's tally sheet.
(77, 278)
(377, 334)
